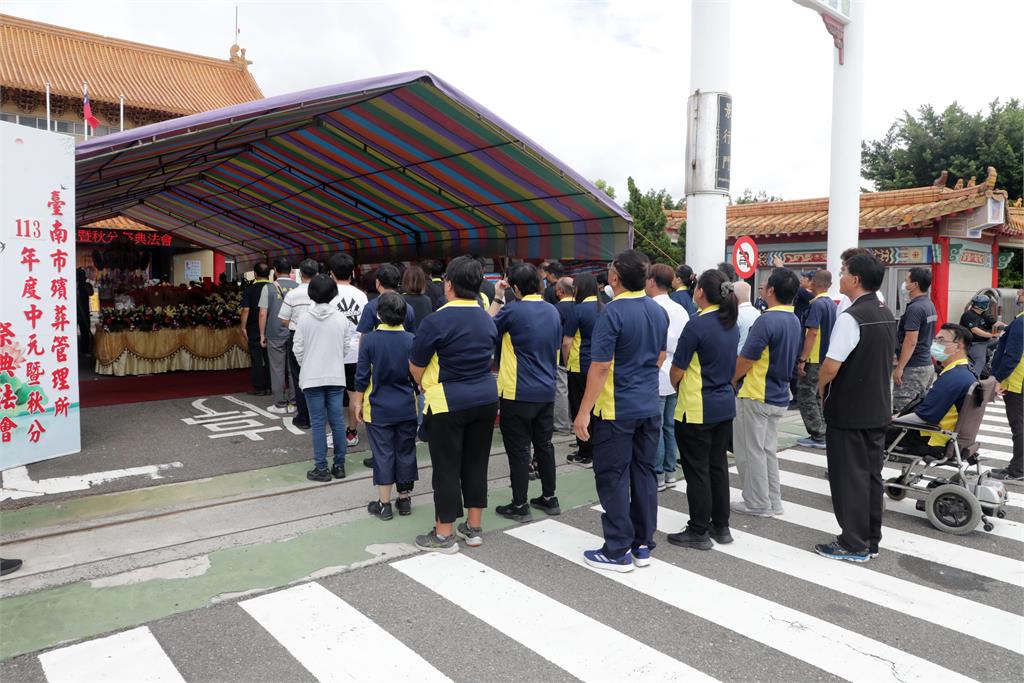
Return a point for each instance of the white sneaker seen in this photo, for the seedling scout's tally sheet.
(279, 410)
(671, 480)
(351, 439)
(330, 440)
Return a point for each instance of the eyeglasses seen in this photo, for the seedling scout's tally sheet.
(945, 342)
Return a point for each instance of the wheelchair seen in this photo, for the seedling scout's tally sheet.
(948, 484)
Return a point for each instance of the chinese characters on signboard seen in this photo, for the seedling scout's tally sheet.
(723, 169)
(143, 239)
(38, 336)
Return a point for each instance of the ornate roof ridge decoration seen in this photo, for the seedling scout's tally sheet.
(149, 77)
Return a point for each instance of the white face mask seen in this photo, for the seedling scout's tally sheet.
(609, 291)
(903, 289)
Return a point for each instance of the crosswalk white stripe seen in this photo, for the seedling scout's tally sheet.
(940, 552)
(990, 454)
(996, 417)
(994, 440)
(838, 651)
(995, 429)
(922, 602)
(584, 647)
(1001, 527)
(132, 656)
(795, 455)
(333, 640)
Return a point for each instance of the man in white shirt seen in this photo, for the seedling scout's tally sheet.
(350, 303)
(659, 284)
(295, 304)
(748, 315)
(844, 301)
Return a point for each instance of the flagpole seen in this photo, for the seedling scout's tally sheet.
(47, 105)
(122, 113)
(85, 122)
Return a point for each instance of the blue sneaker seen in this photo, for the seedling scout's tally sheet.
(642, 556)
(598, 560)
(811, 442)
(834, 551)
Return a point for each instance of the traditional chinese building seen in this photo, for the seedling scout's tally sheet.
(957, 232)
(130, 85)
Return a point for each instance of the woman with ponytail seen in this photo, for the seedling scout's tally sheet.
(683, 285)
(702, 369)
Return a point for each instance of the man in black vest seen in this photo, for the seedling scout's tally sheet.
(857, 404)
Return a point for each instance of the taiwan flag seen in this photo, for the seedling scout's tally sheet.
(87, 109)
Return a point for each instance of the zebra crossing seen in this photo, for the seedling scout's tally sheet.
(525, 606)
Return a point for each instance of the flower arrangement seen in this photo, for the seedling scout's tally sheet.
(219, 312)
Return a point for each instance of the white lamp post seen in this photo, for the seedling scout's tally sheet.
(844, 20)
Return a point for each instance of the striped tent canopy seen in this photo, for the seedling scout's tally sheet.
(390, 168)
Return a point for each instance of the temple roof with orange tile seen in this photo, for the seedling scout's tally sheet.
(879, 211)
(148, 77)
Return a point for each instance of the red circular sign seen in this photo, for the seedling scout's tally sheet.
(744, 257)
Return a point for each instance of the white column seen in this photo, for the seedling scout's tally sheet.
(709, 72)
(844, 179)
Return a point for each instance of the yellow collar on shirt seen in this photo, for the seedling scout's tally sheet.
(819, 296)
(708, 309)
(391, 328)
(589, 299)
(532, 297)
(639, 294)
(456, 303)
(788, 309)
(962, 361)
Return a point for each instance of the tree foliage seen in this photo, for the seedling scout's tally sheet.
(603, 185)
(648, 212)
(917, 149)
(749, 197)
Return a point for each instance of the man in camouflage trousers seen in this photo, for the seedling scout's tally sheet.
(821, 316)
(914, 372)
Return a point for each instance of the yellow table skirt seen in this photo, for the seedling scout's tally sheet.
(195, 348)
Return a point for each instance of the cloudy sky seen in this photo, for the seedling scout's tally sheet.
(603, 85)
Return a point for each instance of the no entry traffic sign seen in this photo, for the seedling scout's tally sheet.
(744, 257)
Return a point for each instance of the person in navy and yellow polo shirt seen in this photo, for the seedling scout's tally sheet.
(818, 323)
(387, 279)
(766, 366)
(1008, 369)
(451, 359)
(703, 365)
(529, 337)
(386, 403)
(682, 284)
(577, 332)
(627, 350)
(942, 404)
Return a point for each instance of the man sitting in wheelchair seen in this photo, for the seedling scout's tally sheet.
(942, 404)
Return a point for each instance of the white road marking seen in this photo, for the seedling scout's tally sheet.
(255, 409)
(922, 602)
(940, 552)
(836, 650)
(582, 646)
(333, 640)
(289, 424)
(18, 484)
(132, 656)
(994, 440)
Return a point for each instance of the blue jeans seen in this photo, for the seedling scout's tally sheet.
(325, 406)
(668, 452)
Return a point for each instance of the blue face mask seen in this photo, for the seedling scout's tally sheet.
(939, 351)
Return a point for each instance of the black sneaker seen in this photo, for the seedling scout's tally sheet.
(1004, 474)
(548, 505)
(338, 471)
(571, 457)
(404, 506)
(301, 425)
(721, 535)
(8, 566)
(520, 513)
(318, 474)
(368, 463)
(379, 509)
(835, 551)
(688, 539)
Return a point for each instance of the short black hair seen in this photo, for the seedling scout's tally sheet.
(433, 267)
(662, 276)
(261, 269)
(308, 268)
(685, 274)
(785, 283)
(389, 276)
(729, 272)
(342, 265)
(631, 265)
(822, 278)
(922, 276)
(391, 308)
(526, 277)
(853, 251)
(961, 334)
(868, 269)
(466, 276)
(322, 289)
(554, 268)
(282, 266)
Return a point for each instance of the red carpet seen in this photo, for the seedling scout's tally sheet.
(110, 391)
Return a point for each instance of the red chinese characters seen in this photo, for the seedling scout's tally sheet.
(34, 372)
(59, 379)
(6, 334)
(59, 288)
(35, 403)
(32, 314)
(29, 258)
(60, 260)
(33, 346)
(60, 348)
(61, 406)
(56, 204)
(35, 430)
(7, 425)
(58, 233)
(8, 399)
(7, 363)
(28, 290)
(60, 318)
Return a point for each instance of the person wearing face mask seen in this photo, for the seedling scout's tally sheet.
(942, 404)
(1008, 369)
(914, 371)
(983, 331)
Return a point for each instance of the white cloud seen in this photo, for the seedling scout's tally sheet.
(603, 85)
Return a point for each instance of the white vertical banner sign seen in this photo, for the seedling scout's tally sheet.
(39, 404)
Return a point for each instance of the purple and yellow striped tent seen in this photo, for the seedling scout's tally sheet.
(397, 167)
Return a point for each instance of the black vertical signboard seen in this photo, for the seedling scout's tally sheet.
(723, 156)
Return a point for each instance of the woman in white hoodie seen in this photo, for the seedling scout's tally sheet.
(321, 341)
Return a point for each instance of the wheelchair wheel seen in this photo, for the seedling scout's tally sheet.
(895, 492)
(953, 509)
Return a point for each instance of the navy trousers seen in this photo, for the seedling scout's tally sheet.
(625, 452)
